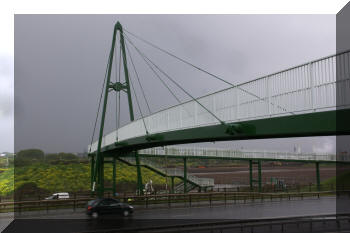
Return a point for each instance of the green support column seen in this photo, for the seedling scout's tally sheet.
(259, 175)
(101, 189)
(172, 185)
(318, 176)
(119, 27)
(114, 177)
(251, 174)
(185, 175)
(92, 162)
(139, 175)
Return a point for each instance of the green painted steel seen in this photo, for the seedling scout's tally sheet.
(139, 175)
(300, 125)
(98, 168)
(119, 158)
(126, 71)
(303, 125)
(251, 179)
(92, 163)
(114, 177)
(259, 175)
(233, 158)
(172, 185)
(185, 175)
(251, 174)
(318, 180)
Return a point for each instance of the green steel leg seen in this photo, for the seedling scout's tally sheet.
(98, 169)
(172, 185)
(251, 174)
(139, 175)
(259, 174)
(318, 176)
(101, 189)
(126, 72)
(114, 177)
(92, 163)
(185, 175)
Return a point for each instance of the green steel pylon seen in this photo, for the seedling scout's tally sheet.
(98, 168)
(139, 175)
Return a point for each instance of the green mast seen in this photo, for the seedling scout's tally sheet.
(119, 27)
(98, 169)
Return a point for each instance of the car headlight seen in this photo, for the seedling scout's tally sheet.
(131, 207)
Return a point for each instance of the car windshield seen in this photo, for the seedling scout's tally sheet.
(108, 202)
(92, 202)
(52, 197)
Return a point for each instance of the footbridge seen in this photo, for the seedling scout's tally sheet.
(310, 99)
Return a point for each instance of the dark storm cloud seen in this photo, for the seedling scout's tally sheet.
(60, 62)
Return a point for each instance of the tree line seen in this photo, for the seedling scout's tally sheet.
(29, 156)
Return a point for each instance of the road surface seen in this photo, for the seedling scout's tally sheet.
(69, 221)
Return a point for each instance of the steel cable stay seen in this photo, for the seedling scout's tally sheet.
(95, 165)
(138, 79)
(173, 81)
(99, 106)
(207, 72)
(137, 101)
(118, 94)
(162, 81)
(158, 76)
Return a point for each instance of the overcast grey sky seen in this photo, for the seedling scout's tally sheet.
(60, 62)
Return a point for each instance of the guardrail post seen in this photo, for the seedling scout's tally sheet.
(338, 224)
(210, 199)
(225, 196)
(190, 199)
(168, 201)
(172, 185)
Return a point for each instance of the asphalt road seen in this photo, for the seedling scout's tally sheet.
(69, 221)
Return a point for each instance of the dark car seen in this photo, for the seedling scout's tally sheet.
(108, 206)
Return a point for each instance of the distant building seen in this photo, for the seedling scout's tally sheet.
(81, 154)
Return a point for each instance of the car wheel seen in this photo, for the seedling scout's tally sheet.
(126, 213)
(94, 215)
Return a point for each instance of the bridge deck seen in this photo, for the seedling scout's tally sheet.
(300, 101)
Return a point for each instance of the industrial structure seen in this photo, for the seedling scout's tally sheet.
(305, 100)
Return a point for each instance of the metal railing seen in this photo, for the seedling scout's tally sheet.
(164, 200)
(316, 86)
(203, 182)
(241, 154)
